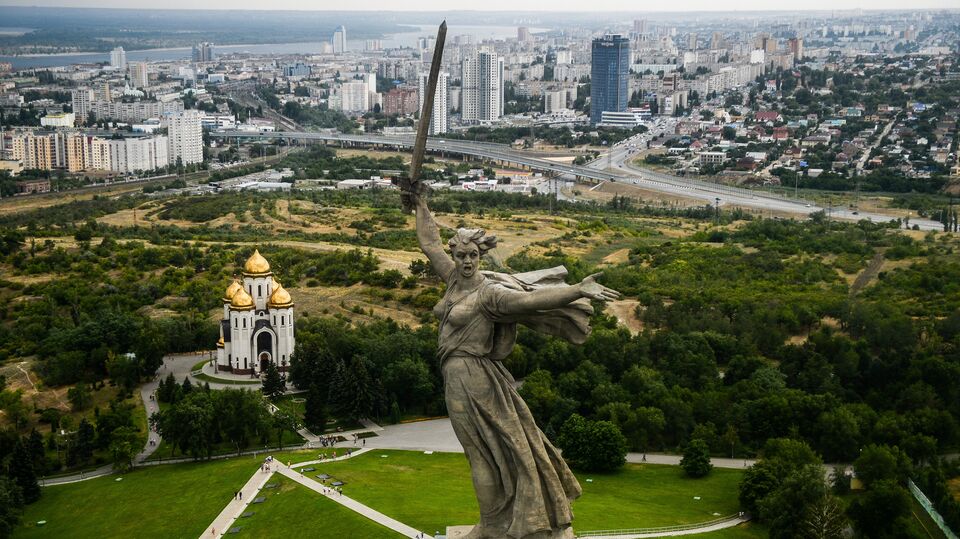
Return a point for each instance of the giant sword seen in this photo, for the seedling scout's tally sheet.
(411, 185)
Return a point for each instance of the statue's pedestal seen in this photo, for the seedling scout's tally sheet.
(459, 532)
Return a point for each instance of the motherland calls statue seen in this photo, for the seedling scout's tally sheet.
(523, 486)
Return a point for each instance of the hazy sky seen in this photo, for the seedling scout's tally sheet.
(497, 5)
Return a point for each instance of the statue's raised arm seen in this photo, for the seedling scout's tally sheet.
(428, 236)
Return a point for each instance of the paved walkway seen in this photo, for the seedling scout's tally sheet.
(148, 392)
(674, 533)
(235, 508)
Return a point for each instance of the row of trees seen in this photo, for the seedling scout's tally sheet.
(197, 421)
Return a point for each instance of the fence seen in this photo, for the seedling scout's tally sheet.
(664, 529)
(928, 507)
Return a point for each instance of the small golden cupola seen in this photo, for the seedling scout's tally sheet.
(232, 290)
(241, 301)
(280, 298)
(256, 264)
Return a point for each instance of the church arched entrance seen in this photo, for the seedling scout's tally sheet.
(264, 361)
(264, 344)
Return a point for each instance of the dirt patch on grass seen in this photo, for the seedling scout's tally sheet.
(353, 302)
(620, 256)
(626, 312)
(954, 486)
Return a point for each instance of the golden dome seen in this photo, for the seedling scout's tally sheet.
(256, 264)
(280, 298)
(220, 343)
(231, 290)
(241, 301)
(276, 283)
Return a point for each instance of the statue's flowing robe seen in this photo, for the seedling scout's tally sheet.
(524, 488)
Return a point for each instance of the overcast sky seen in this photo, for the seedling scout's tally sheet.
(496, 5)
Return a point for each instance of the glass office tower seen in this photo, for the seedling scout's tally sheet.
(610, 67)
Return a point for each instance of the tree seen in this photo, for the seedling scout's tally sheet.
(273, 384)
(11, 505)
(881, 512)
(284, 421)
(880, 463)
(84, 442)
(609, 447)
(124, 370)
(825, 519)
(315, 410)
(785, 509)
(574, 440)
(21, 471)
(38, 457)
(123, 447)
(592, 445)
(696, 459)
(79, 397)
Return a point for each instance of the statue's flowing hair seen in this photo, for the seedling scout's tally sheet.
(466, 236)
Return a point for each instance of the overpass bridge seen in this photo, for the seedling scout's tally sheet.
(649, 180)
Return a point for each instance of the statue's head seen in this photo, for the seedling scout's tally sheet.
(467, 246)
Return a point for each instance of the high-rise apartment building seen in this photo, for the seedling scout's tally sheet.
(340, 40)
(118, 58)
(129, 154)
(640, 26)
(203, 52)
(138, 75)
(482, 87)
(184, 137)
(692, 42)
(438, 118)
(86, 101)
(523, 35)
(355, 96)
(796, 48)
(401, 101)
(610, 68)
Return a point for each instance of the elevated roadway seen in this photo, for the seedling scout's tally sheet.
(596, 172)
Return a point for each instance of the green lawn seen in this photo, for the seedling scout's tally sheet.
(177, 501)
(292, 510)
(430, 492)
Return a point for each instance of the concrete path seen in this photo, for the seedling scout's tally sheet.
(235, 508)
(673, 533)
(148, 392)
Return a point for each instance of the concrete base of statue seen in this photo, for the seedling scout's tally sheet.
(459, 532)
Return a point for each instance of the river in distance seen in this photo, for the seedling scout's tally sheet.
(402, 39)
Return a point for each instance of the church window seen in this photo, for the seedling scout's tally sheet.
(244, 363)
(236, 322)
(259, 290)
(244, 323)
(282, 321)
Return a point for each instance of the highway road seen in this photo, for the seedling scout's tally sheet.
(618, 160)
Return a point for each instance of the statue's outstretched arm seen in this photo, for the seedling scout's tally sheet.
(428, 236)
(555, 297)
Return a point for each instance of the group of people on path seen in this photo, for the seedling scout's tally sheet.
(267, 462)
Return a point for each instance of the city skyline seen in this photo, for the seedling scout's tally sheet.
(504, 6)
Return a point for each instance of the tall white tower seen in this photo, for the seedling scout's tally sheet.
(185, 137)
(482, 92)
(118, 58)
(438, 120)
(340, 40)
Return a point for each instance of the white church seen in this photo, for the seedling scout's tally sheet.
(257, 325)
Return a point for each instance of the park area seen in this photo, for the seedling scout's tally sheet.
(425, 491)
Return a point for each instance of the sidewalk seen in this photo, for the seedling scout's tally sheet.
(225, 519)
